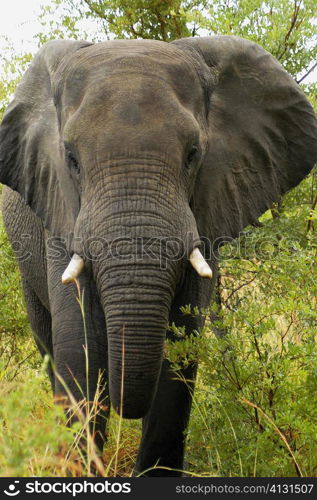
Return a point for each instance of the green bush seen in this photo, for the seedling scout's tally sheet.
(16, 346)
(34, 439)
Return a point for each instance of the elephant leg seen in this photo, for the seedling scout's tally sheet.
(41, 324)
(164, 428)
(79, 349)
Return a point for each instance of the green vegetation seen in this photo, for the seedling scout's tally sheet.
(254, 411)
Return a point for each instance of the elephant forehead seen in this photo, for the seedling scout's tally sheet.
(111, 56)
(147, 103)
(96, 65)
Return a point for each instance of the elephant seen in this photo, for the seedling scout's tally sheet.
(127, 164)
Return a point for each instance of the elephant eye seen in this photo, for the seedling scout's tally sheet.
(72, 161)
(192, 155)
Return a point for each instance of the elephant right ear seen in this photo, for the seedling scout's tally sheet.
(32, 158)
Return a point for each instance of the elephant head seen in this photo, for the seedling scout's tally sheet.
(127, 144)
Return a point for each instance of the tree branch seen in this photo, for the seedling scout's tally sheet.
(291, 28)
(308, 73)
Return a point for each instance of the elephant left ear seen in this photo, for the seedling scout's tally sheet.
(262, 134)
(32, 155)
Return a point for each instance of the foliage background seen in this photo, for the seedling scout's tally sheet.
(254, 411)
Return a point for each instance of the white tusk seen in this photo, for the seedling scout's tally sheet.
(73, 269)
(199, 264)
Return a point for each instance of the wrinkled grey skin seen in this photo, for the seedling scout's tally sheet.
(141, 139)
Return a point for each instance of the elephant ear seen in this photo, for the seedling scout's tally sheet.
(32, 157)
(262, 135)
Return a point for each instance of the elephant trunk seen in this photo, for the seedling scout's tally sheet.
(136, 300)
